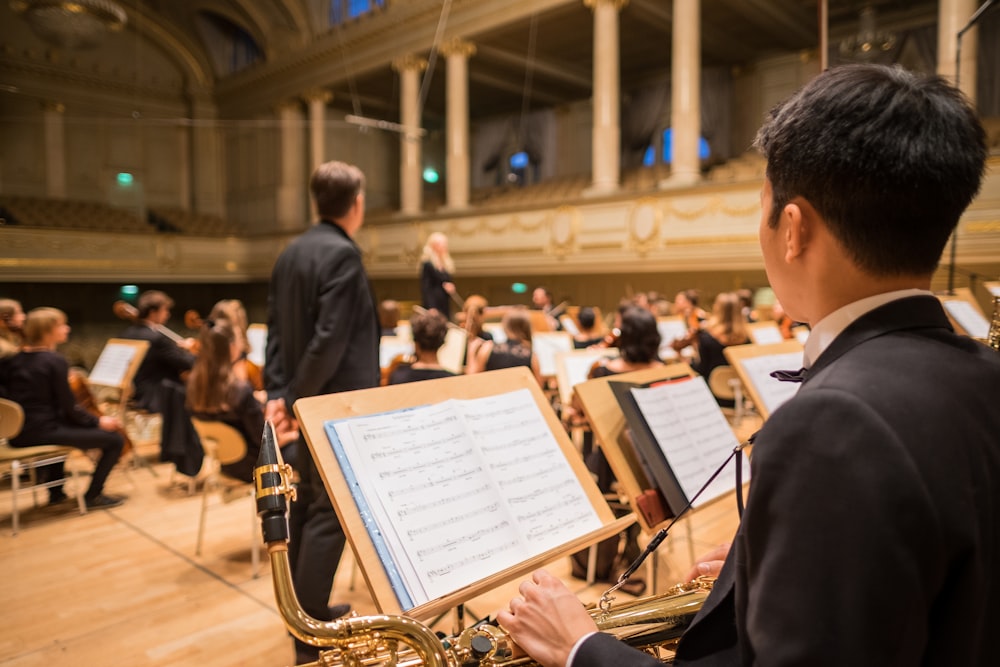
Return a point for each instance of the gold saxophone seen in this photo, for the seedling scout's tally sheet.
(993, 337)
(653, 624)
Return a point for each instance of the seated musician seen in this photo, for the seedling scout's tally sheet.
(588, 334)
(487, 355)
(165, 359)
(216, 393)
(429, 331)
(37, 378)
(11, 322)
(870, 530)
(725, 327)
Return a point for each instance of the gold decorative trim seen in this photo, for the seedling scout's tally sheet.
(456, 46)
(644, 240)
(711, 240)
(564, 225)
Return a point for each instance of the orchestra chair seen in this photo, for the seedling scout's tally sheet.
(224, 444)
(725, 384)
(16, 460)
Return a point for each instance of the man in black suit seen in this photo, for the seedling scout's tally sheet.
(166, 358)
(870, 535)
(322, 337)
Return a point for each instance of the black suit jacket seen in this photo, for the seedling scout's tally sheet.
(323, 330)
(432, 291)
(872, 529)
(164, 360)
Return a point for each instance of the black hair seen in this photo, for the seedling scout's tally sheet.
(586, 317)
(889, 159)
(640, 339)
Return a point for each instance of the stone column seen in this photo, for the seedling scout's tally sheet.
(290, 195)
(606, 144)
(685, 94)
(952, 17)
(55, 149)
(207, 182)
(457, 53)
(317, 99)
(411, 188)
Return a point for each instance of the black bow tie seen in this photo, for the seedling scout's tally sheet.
(791, 376)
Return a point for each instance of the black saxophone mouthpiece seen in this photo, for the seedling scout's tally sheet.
(271, 477)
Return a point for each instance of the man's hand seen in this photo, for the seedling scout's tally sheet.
(546, 620)
(709, 564)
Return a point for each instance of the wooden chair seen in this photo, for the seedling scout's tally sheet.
(725, 384)
(15, 460)
(224, 444)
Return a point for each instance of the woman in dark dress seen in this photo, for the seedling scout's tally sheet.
(429, 331)
(436, 269)
(216, 392)
(37, 378)
(488, 355)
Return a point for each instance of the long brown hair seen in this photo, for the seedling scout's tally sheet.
(728, 325)
(212, 381)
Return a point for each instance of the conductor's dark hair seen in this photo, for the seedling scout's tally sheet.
(889, 159)
(335, 186)
(640, 339)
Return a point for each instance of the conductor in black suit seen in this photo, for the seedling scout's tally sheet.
(323, 337)
(870, 535)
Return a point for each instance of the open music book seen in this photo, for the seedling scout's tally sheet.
(680, 436)
(459, 490)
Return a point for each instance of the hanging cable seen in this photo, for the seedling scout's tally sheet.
(432, 57)
(529, 71)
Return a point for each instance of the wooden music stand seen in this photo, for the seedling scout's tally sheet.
(746, 359)
(607, 421)
(314, 412)
(965, 313)
(116, 367)
(573, 367)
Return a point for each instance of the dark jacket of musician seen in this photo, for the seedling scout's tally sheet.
(164, 360)
(865, 476)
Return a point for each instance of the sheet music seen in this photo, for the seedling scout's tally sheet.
(495, 329)
(112, 366)
(968, 317)
(545, 346)
(451, 354)
(575, 366)
(994, 289)
(692, 432)
(463, 489)
(257, 338)
(390, 347)
(670, 330)
(569, 325)
(765, 335)
(771, 391)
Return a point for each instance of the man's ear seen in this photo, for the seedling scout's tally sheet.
(796, 219)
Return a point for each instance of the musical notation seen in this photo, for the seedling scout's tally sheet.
(433, 476)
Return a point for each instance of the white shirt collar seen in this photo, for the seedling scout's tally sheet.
(831, 326)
